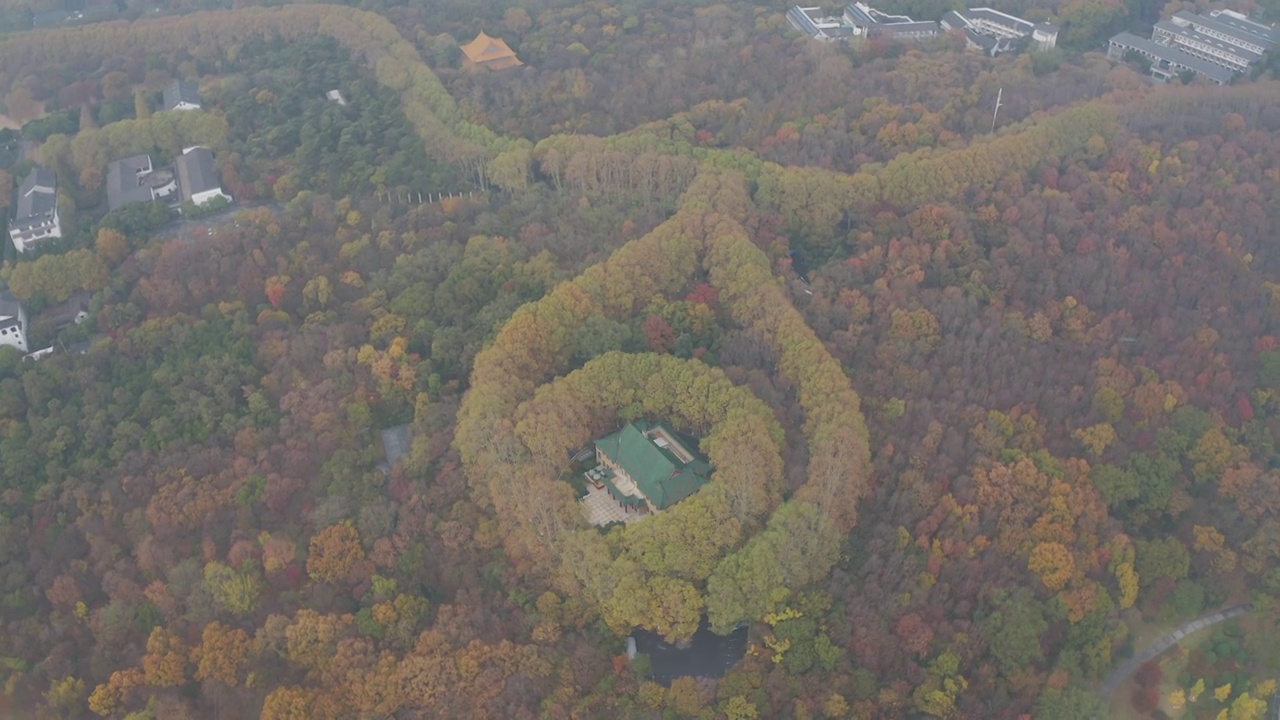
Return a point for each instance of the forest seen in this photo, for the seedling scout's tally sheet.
(990, 410)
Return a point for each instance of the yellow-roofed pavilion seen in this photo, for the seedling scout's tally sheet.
(490, 52)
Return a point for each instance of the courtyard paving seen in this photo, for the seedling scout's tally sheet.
(601, 509)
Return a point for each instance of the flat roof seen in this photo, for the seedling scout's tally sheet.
(997, 17)
(907, 27)
(1191, 34)
(818, 19)
(1246, 30)
(872, 16)
(1174, 55)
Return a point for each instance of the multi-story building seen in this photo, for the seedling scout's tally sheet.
(647, 467)
(1166, 62)
(994, 32)
(1214, 46)
(811, 22)
(35, 216)
(13, 322)
(866, 21)
(1222, 37)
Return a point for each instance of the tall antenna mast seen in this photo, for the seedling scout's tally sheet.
(999, 105)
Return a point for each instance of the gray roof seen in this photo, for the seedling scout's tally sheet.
(37, 199)
(1191, 34)
(952, 20)
(1173, 55)
(181, 91)
(9, 305)
(1246, 30)
(908, 28)
(998, 18)
(195, 172)
(123, 183)
(807, 19)
(64, 313)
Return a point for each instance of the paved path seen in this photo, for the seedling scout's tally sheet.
(1118, 675)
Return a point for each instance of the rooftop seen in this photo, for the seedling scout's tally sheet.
(64, 313)
(180, 91)
(37, 199)
(124, 181)
(658, 462)
(9, 305)
(997, 18)
(490, 51)
(195, 172)
(815, 22)
(1233, 23)
(869, 15)
(1199, 37)
(1214, 72)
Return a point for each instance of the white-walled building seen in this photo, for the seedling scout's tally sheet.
(182, 95)
(196, 177)
(994, 32)
(1222, 37)
(811, 22)
(35, 216)
(869, 22)
(1215, 46)
(192, 177)
(13, 322)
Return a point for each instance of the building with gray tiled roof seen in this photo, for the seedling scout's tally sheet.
(1166, 62)
(1221, 42)
(869, 22)
(1221, 37)
(35, 214)
(134, 179)
(197, 180)
(182, 95)
(812, 22)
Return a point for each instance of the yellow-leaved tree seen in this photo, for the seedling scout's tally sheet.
(1053, 563)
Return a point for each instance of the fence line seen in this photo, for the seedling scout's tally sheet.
(419, 198)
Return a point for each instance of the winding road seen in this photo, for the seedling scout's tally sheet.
(1118, 675)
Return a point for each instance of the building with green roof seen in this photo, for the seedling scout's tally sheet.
(652, 467)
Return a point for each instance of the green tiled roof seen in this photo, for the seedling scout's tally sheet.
(663, 478)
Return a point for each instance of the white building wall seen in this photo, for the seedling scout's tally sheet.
(16, 336)
(204, 197)
(25, 239)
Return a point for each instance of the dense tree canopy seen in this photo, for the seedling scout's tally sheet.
(986, 410)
